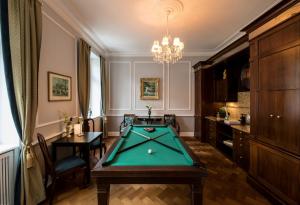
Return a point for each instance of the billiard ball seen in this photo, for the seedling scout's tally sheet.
(149, 151)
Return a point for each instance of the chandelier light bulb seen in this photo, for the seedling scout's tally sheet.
(176, 41)
(165, 41)
(167, 52)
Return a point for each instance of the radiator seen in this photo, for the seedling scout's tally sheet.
(6, 178)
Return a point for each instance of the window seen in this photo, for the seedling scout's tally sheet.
(95, 86)
(8, 132)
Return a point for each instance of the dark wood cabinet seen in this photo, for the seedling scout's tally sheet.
(225, 83)
(198, 98)
(221, 92)
(279, 119)
(227, 76)
(280, 71)
(275, 172)
(275, 112)
(211, 131)
(241, 148)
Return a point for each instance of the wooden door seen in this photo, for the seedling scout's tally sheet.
(265, 117)
(287, 120)
(279, 119)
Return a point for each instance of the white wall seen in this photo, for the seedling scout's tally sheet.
(176, 88)
(59, 55)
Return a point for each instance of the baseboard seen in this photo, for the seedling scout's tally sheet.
(113, 134)
(185, 134)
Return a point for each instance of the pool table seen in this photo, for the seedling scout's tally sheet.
(155, 156)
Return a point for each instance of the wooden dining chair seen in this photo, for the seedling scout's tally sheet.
(61, 168)
(170, 119)
(128, 119)
(89, 126)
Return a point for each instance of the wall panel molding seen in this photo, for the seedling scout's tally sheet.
(162, 84)
(189, 106)
(110, 108)
(139, 68)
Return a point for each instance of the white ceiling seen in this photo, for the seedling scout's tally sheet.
(128, 27)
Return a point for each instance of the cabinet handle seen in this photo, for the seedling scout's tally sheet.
(241, 157)
(278, 116)
(241, 138)
(241, 145)
(271, 115)
(241, 133)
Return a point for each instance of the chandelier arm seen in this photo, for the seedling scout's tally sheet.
(168, 13)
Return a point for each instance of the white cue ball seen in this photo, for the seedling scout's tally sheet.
(149, 151)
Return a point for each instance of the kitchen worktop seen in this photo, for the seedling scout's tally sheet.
(242, 128)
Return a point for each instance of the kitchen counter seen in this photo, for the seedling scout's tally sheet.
(242, 128)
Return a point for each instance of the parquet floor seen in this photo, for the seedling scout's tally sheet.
(225, 185)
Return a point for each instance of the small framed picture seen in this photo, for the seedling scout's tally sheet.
(59, 87)
(150, 88)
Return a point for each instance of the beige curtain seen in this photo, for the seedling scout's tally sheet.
(103, 95)
(25, 22)
(83, 73)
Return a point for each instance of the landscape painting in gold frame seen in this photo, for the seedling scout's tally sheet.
(59, 87)
(149, 88)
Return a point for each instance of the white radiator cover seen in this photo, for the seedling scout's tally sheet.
(7, 175)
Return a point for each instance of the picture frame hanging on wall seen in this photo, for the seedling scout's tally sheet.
(150, 88)
(59, 87)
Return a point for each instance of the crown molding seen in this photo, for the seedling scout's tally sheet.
(60, 9)
(91, 37)
(149, 54)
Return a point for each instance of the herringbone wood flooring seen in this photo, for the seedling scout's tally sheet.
(225, 185)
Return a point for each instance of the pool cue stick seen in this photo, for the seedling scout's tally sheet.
(144, 136)
(135, 145)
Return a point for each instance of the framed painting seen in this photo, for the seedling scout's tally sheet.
(150, 88)
(59, 87)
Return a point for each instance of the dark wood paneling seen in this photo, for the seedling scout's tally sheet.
(198, 105)
(280, 38)
(280, 70)
(277, 171)
(211, 132)
(279, 119)
(275, 112)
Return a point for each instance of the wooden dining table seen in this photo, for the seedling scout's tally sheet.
(83, 142)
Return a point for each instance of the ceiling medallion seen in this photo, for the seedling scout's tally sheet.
(170, 49)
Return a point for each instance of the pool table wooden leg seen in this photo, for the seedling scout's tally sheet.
(103, 193)
(197, 194)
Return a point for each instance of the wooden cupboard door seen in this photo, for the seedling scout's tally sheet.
(265, 117)
(287, 120)
(280, 71)
(220, 90)
(277, 171)
(278, 119)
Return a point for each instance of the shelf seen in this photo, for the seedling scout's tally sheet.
(228, 143)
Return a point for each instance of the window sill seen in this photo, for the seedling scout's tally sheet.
(6, 148)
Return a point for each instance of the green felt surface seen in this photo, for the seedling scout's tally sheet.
(138, 156)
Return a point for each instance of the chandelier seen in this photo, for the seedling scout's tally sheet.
(170, 49)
